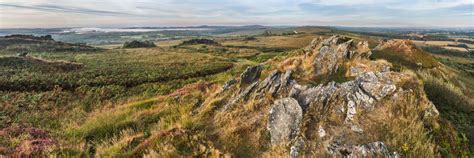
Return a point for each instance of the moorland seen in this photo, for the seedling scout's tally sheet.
(87, 94)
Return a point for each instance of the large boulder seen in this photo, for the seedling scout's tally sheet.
(284, 120)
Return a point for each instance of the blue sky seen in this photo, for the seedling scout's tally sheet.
(126, 13)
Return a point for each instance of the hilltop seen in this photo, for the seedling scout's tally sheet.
(273, 109)
(25, 43)
(406, 53)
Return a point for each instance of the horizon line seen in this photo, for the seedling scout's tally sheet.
(190, 26)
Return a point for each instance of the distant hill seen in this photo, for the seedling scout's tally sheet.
(26, 43)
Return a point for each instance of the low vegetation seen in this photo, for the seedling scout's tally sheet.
(455, 107)
(200, 41)
(30, 43)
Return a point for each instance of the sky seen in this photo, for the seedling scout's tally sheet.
(140, 13)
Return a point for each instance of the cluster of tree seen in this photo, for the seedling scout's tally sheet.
(462, 45)
(291, 33)
(47, 37)
(200, 41)
(250, 38)
(436, 38)
(139, 44)
(267, 33)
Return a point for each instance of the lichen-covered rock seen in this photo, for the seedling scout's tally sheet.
(328, 56)
(284, 120)
(332, 118)
(276, 84)
(375, 149)
(250, 75)
(24, 54)
(360, 67)
(295, 149)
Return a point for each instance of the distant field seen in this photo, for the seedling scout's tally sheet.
(456, 48)
(462, 60)
(83, 81)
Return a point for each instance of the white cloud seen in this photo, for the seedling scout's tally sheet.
(59, 13)
(430, 4)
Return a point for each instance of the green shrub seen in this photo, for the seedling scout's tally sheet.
(139, 44)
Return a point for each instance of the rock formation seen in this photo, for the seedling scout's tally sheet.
(332, 119)
(284, 120)
(327, 55)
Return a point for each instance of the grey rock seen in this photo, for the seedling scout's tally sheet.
(244, 95)
(228, 84)
(345, 99)
(284, 120)
(330, 54)
(295, 149)
(250, 75)
(22, 54)
(375, 149)
(277, 84)
(431, 112)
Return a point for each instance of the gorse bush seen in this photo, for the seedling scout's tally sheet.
(139, 44)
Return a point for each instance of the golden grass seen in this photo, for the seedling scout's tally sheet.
(399, 125)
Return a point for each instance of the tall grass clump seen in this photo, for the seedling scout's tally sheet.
(455, 107)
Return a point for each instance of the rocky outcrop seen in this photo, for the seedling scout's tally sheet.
(328, 56)
(277, 84)
(30, 43)
(331, 118)
(360, 67)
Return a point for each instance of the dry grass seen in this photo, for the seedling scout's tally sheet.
(294, 41)
(455, 107)
(401, 128)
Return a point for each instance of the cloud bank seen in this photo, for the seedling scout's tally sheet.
(125, 13)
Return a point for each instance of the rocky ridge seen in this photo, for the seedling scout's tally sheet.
(331, 118)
